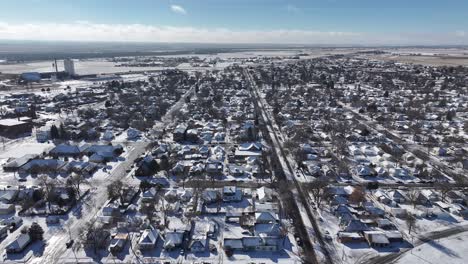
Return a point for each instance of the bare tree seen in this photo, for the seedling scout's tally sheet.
(48, 186)
(413, 197)
(318, 189)
(410, 221)
(444, 188)
(114, 190)
(75, 181)
(358, 195)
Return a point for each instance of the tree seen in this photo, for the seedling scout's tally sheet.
(413, 197)
(75, 181)
(54, 133)
(48, 186)
(410, 221)
(318, 190)
(444, 188)
(164, 163)
(358, 195)
(114, 190)
(145, 185)
(36, 232)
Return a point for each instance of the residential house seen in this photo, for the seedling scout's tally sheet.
(232, 194)
(376, 239)
(148, 239)
(19, 244)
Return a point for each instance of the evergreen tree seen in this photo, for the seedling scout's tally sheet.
(54, 133)
(36, 232)
(63, 132)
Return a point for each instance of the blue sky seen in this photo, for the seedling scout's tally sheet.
(286, 21)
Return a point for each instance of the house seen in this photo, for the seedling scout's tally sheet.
(426, 197)
(398, 196)
(264, 194)
(198, 245)
(258, 243)
(232, 194)
(173, 239)
(376, 239)
(133, 134)
(16, 163)
(36, 166)
(108, 135)
(266, 217)
(4, 231)
(233, 244)
(269, 229)
(248, 149)
(385, 224)
(350, 237)
(80, 167)
(6, 209)
(214, 167)
(394, 236)
(65, 150)
(356, 225)
(147, 166)
(236, 170)
(211, 196)
(19, 244)
(148, 239)
(118, 242)
(201, 230)
(102, 150)
(399, 212)
(13, 127)
(148, 195)
(108, 212)
(373, 211)
(455, 197)
(42, 136)
(8, 195)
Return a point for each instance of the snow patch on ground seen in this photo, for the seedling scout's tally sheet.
(452, 250)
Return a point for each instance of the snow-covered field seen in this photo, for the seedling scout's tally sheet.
(453, 250)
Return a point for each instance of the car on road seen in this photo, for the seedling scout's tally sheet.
(22, 180)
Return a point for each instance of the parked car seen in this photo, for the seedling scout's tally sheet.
(52, 219)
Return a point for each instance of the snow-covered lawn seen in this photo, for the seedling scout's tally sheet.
(453, 250)
(22, 148)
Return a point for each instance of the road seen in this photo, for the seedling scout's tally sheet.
(306, 221)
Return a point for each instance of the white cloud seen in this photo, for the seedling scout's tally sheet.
(292, 8)
(88, 31)
(178, 9)
(460, 33)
